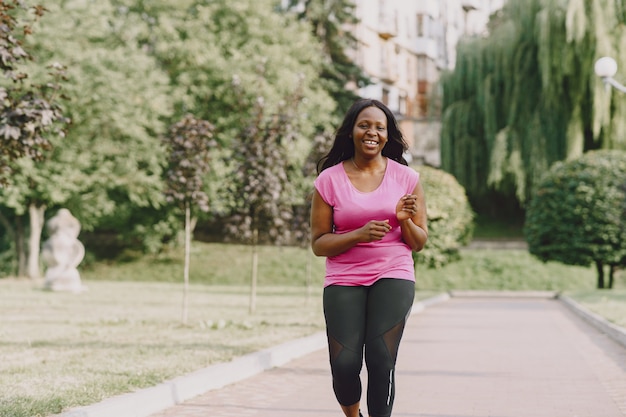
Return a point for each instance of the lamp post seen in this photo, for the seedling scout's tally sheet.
(606, 68)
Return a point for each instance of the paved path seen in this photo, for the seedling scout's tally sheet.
(483, 357)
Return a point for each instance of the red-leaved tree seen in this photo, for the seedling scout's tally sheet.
(190, 142)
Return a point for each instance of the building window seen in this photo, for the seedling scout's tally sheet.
(402, 104)
(385, 98)
(420, 26)
(422, 67)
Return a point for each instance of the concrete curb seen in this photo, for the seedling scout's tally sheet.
(148, 401)
(617, 333)
(502, 294)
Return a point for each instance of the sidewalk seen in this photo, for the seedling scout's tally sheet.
(469, 356)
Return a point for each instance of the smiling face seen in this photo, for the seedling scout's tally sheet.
(370, 132)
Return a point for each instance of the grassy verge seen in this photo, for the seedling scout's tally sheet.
(610, 304)
(504, 270)
(62, 350)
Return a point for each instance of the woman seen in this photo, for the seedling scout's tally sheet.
(368, 213)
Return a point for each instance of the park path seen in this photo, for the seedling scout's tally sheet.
(466, 357)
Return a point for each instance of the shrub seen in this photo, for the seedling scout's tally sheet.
(576, 215)
(450, 218)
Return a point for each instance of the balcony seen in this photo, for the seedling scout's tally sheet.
(388, 73)
(387, 27)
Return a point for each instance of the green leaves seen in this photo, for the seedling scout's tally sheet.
(526, 96)
(450, 218)
(140, 66)
(578, 213)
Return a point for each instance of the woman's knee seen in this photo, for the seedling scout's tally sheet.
(346, 365)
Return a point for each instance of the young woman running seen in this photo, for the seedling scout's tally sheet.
(368, 215)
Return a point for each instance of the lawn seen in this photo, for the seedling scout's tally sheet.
(62, 350)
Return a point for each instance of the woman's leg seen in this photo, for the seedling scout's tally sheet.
(388, 306)
(344, 310)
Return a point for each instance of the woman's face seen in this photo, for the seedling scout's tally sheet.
(369, 132)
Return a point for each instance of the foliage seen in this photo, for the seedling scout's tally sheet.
(526, 95)
(450, 218)
(189, 142)
(577, 213)
(301, 222)
(30, 111)
(118, 101)
(328, 20)
(207, 47)
(262, 209)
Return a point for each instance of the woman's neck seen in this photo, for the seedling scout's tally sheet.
(369, 165)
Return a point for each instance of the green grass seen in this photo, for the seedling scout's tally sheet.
(216, 264)
(502, 269)
(610, 304)
(488, 227)
(62, 350)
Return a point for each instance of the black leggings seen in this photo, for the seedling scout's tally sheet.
(374, 318)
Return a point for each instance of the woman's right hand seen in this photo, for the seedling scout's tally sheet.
(374, 230)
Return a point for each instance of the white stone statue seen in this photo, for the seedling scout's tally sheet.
(62, 253)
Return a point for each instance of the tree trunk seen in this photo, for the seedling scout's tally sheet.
(600, 270)
(612, 270)
(11, 233)
(20, 246)
(187, 258)
(36, 214)
(255, 267)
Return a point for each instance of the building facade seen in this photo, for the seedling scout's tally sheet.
(403, 46)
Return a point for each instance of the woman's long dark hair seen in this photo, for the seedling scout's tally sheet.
(343, 146)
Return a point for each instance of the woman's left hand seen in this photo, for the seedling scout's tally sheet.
(406, 207)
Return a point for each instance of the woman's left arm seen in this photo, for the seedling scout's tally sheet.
(411, 213)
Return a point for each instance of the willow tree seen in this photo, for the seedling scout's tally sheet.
(526, 96)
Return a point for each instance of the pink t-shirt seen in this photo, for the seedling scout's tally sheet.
(366, 263)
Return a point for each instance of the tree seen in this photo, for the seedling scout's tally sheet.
(30, 111)
(207, 48)
(328, 20)
(576, 215)
(526, 96)
(262, 207)
(301, 221)
(117, 100)
(190, 142)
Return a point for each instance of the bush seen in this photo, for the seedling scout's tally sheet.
(576, 215)
(450, 218)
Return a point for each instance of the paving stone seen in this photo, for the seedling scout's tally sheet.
(467, 357)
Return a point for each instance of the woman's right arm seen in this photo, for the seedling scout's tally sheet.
(326, 243)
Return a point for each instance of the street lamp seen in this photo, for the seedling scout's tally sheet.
(606, 68)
